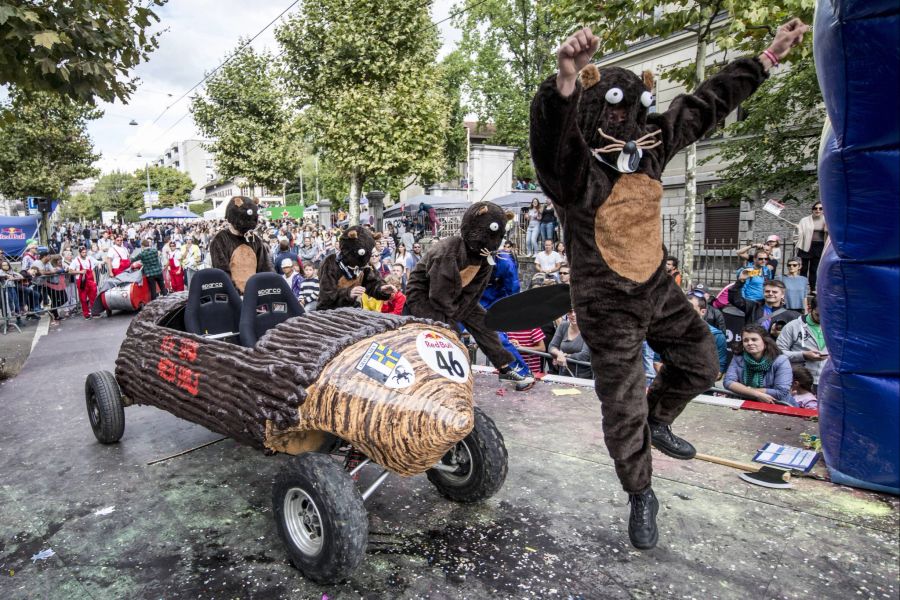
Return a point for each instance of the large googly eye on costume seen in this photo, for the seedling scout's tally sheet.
(249, 211)
(361, 251)
(647, 99)
(495, 226)
(614, 95)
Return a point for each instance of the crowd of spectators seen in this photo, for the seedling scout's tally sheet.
(774, 354)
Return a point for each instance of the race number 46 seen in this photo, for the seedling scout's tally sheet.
(443, 356)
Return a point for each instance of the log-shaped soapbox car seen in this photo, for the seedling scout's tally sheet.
(322, 386)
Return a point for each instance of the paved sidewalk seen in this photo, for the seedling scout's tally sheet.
(200, 525)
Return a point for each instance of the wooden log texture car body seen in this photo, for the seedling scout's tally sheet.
(305, 377)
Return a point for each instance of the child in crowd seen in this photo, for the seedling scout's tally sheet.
(394, 306)
(309, 288)
(801, 388)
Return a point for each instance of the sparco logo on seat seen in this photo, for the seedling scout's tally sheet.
(209, 286)
(269, 292)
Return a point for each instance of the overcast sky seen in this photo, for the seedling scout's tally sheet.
(200, 33)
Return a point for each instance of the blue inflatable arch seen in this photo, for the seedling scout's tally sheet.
(857, 53)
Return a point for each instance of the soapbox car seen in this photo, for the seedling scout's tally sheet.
(366, 387)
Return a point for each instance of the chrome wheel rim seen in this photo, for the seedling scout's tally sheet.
(303, 521)
(460, 457)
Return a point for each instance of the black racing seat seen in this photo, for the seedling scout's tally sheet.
(213, 307)
(268, 301)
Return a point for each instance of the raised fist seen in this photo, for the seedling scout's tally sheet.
(572, 56)
(788, 35)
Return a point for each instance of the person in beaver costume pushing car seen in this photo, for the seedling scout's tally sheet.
(448, 282)
(599, 157)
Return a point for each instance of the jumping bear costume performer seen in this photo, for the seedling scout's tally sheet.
(600, 157)
(343, 277)
(447, 283)
(237, 249)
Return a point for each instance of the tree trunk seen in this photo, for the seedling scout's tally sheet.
(355, 188)
(690, 184)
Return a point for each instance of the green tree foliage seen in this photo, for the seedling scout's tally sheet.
(245, 112)
(773, 150)
(117, 191)
(174, 186)
(365, 73)
(81, 206)
(510, 44)
(454, 71)
(81, 49)
(44, 144)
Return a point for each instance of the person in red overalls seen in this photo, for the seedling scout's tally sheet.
(84, 265)
(118, 258)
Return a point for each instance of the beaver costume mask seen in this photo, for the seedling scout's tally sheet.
(242, 213)
(356, 245)
(482, 230)
(613, 115)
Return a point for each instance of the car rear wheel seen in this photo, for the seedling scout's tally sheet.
(105, 408)
(320, 516)
(475, 468)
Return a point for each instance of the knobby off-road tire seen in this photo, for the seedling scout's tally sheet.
(320, 517)
(105, 408)
(482, 464)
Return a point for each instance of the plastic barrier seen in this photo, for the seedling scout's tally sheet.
(857, 51)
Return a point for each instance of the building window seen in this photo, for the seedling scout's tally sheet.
(722, 224)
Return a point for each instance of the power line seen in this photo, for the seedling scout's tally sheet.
(225, 62)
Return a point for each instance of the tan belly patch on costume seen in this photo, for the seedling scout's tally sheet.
(468, 274)
(627, 227)
(243, 266)
(345, 283)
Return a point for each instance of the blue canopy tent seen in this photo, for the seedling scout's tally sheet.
(181, 213)
(169, 213)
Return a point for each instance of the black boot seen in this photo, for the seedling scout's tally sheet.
(642, 523)
(668, 443)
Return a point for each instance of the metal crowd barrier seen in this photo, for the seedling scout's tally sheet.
(54, 294)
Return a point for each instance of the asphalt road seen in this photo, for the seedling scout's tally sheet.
(200, 525)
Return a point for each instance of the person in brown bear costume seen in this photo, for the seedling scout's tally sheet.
(599, 157)
(447, 283)
(345, 276)
(237, 249)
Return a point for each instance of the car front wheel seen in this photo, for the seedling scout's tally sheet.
(320, 517)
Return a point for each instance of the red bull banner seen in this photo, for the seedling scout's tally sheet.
(14, 231)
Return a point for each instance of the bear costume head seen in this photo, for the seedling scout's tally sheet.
(614, 100)
(242, 213)
(356, 245)
(482, 228)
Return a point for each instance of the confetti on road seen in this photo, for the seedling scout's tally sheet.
(566, 392)
(105, 511)
(43, 555)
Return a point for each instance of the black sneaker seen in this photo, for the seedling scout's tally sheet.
(668, 443)
(513, 376)
(642, 529)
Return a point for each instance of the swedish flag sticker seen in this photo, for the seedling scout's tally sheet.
(386, 366)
